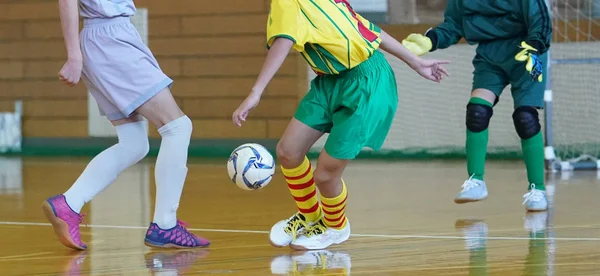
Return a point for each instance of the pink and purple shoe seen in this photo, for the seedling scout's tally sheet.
(65, 221)
(176, 237)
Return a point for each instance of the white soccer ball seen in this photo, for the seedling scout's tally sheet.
(251, 166)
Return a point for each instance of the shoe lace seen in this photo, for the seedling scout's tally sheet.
(316, 229)
(294, 224)
(82, 220)
(532, 195)
(469, 184)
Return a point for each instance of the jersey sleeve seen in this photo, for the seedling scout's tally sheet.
(286, 20)
(450, 31)
(539, 24)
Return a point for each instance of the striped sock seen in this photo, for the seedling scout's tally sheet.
(302, 186)
(335, 209)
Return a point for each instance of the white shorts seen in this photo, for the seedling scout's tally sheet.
(118, 68)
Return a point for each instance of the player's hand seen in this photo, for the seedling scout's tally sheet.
(431, 69)
(418, 44)
(71, 72)
(533, 65)
(240, 114)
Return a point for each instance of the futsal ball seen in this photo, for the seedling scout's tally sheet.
(251, 166)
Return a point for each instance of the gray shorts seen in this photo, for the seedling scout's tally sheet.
(118, 68)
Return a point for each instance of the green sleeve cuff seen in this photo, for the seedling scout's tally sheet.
(272, 38)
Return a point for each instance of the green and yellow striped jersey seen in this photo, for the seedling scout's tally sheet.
(329, 34)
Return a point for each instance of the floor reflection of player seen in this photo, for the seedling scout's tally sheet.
(321, 262)
(476, 233)
(167, 263)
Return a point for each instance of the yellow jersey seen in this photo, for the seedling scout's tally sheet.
(329, 34)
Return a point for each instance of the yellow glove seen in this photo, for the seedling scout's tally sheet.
(533, 64)
(418, 44)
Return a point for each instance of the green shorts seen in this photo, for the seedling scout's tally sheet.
(496, 67)
(356, 107)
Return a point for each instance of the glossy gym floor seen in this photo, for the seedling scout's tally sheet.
(404, 222)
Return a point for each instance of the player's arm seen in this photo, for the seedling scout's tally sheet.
(275, 57)
(279, 49)
(429, 69)
(69, 19)
(539, 24)
(394, 47)
(442, 36)
(539, 34)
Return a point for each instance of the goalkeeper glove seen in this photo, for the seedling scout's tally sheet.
(533, 64)
(418, 44)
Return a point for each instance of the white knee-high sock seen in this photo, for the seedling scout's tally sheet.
(171, 170)
(105, 167)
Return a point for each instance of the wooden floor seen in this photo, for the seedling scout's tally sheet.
(403, 217)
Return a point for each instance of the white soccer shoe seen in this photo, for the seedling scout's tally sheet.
(535, 200)
(320, 262)
(320, 236)
(285, 231)
(472, 190)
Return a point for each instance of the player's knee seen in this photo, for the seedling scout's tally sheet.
(140, 150)
(288, 156)
(133, 143)
(478, 117)
(527, 122)
(322, 176)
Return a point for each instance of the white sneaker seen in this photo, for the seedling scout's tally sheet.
(475, 233)
(320, 262)
(535, 200)
(320, 236)
(285, 231)
(472, 190)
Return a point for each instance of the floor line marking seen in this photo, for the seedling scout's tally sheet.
(387, 236)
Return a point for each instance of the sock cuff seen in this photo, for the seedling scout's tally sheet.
(298, 171)
(535, 139)
(135, 131)
(476, 100)
(181, 124)
(332, 202)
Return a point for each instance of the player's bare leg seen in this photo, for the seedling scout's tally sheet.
(334, 227)
(291, 154)
(63, 211)
(479, 113)
(175, 129)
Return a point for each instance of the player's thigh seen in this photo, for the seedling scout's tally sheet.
(296, 141)
(311, 120)
(314, 108)
(160, 109)
(525, 91)
(367, 125)
(487, 77)
(121, 66)
(485, 94)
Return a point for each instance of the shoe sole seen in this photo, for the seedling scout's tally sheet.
(302, 248)
(61, 228)
(467, 200)
(536, 210)
(173, 246)
(277, 245)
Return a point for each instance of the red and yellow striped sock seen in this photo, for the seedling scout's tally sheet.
(334, 209)
(302, 186)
